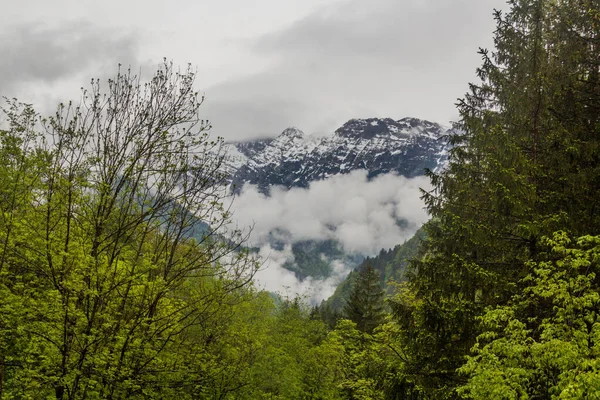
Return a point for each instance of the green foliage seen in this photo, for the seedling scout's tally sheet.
(372, 364)
(119, 279)
(524, 164)
(391, 265)
(362, 364)
(288, 359)
(365, 305)
(103, 293)
(554, 352)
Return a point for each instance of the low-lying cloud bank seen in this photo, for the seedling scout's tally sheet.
(363, 215)
(275, 278)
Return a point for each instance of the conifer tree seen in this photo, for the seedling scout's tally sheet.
(365, 305)
(524, 164)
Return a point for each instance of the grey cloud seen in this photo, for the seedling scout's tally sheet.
(412, 31)
(275, 278)
(238, 113)
(42, 54)
(358, 59)
(359, 213)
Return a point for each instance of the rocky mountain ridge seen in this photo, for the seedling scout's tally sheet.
(379, 145)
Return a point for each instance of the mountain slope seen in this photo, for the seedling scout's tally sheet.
(391, 265)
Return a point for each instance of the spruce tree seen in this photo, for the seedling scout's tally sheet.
(524, 164)
(365, 305)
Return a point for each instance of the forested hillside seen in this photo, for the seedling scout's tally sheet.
(110, 288)
(391, 266)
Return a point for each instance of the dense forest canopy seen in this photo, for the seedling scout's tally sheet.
(119, 278)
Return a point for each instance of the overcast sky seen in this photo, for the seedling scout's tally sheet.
(264, 65)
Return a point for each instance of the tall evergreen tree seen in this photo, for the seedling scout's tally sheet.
(524, 164)
(365, 305)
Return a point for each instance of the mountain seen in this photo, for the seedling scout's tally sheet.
(379, 145)
(406, 147)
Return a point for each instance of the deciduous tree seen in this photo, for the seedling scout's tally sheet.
(115, 247)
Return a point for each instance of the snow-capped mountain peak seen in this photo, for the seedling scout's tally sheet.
(291, 133)
(379, 145)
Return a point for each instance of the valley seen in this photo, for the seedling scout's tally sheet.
(217, 231)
